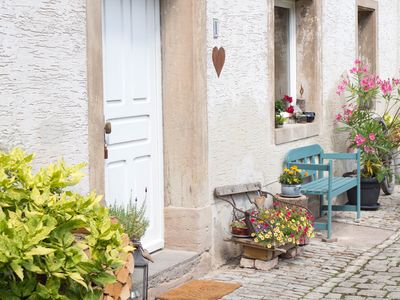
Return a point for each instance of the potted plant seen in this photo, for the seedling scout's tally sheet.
(42, 258)
(239, 228)
(291, 180)
(132, 217)
(283, 109)
(375, 134)
(279, 121)
(282, 225)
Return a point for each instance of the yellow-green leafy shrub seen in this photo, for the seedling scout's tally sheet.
(40, 256)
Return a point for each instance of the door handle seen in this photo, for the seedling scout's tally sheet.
(107, 128)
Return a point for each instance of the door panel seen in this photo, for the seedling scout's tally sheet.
(132, 103)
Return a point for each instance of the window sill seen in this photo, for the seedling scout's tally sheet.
(293, 132)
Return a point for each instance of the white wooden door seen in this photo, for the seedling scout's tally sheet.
(132, 103)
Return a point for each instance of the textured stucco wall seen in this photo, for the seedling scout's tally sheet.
(388, 38)
(43, 102)
(241, 141)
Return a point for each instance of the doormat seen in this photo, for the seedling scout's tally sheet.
(200, 290)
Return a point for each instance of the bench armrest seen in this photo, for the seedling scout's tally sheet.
(343, 156)
(318, 167)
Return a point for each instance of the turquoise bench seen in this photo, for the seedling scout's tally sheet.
(316, 162)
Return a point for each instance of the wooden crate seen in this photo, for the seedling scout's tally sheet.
(254, 250)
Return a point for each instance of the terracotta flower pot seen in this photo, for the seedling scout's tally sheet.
(240, 231)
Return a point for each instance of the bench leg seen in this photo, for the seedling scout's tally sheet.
(329, 238)
(321, 202)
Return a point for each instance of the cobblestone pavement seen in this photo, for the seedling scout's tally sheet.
(330, 271)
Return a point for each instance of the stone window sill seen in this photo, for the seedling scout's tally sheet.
(293, 132)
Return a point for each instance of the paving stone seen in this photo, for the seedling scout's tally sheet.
(333, 296)
(322, 289)
(392, 288)
(314, 295)
(372, 293)
(394, 295)
(370, 286)
(354, 298)
(347, 284)
(345, 290)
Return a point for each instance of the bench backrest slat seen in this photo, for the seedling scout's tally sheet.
(308, 154)
(229, 190)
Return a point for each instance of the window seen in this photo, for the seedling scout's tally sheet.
(285, 48)
(366, 23)
(297, 60)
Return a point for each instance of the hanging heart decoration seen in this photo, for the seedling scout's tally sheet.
(218, 57)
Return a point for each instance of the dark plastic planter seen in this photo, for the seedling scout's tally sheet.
(370, 190)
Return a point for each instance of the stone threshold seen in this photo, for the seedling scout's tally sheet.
(168, 260)
(174, 267)
(294, 132)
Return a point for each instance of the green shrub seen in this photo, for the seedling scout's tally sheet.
(41, 256)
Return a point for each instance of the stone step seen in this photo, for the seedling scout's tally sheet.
(174, 267)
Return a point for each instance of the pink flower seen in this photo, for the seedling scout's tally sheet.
(372, 136)
(357, 62)
(368, 82)
(338, 117)
(353, 70)
(368, 149)
(395, 81)
(365, 69)
(359, 139)
(386, 87)
(341, 87)
(348, 112)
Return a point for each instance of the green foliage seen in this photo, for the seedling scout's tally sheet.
(132, 218)
(239, 224)
(279, 120)
(280, 106)
(40, 256)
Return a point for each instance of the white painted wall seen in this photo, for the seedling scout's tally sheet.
(241, 144)
(43, 101)
(388, 38)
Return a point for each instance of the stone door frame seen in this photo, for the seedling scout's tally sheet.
(184, 88)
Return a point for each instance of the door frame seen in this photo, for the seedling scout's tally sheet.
(94, 53)
(184, 85)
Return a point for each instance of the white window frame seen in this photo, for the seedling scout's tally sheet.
(289, 4)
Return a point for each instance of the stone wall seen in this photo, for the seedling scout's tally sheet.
(43, 101)
(240, 103)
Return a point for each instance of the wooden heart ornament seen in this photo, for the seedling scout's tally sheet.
(218, 57)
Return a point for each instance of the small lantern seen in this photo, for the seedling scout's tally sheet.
(140, 276)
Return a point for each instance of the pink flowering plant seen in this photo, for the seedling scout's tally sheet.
(282, 225)
(373, 133)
